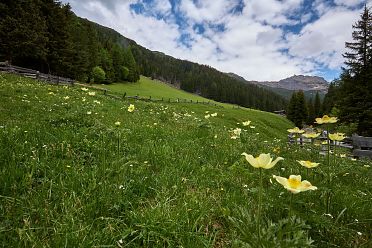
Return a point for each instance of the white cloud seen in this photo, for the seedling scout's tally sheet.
(252, 42)
(324, 40)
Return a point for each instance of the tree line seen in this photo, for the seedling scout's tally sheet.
(303, 111)
(350, 96)
(47, 36)
(205, 81)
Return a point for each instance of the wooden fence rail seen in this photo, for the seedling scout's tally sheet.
(6, 67)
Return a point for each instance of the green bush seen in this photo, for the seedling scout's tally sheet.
(98, 74)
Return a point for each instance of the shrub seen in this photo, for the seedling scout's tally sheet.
(98, 74)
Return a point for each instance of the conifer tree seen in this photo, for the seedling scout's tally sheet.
(317, 105)
(311, 112)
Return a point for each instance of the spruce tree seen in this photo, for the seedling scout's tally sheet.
(355, 82)
(317, 105)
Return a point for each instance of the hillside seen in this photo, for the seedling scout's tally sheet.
(63, 44)
(192, 77)
(80, 170)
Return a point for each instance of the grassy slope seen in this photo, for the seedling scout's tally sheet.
(146, 87)
(160, 179)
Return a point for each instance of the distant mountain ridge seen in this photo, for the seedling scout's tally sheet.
(285, 87)
(296, 82)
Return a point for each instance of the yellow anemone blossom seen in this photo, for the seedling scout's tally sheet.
(295, 130)
(326, 119)
(246, 123)
(131, 108)
(311, 135)
(237, 131)
(214, 115)
(294, 184)
(118, 123)
(308, 164)
(262, 161)
(336, 136)
(91, 93)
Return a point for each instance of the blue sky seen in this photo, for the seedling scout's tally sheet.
(263, 40)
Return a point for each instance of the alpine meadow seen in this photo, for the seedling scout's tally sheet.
(108, 143)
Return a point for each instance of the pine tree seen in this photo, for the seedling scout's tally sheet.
(359, 55)
(311, 112)
(317, 105)
(355, 82)
(301, 109)
(291, 109)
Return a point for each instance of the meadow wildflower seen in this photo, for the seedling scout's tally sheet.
(207, 116)
(118, 123)
(214, 114)
(131, 108)
(246, 123)
(84, 89)
(311, 135)
(91, 93)
(294, 183)
(66, 97)
(295, 130)
(308, 164)
(336, 136)
(264, 161)
(326, 119)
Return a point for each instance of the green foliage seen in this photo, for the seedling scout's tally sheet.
(290, 232)
(69, 172)
(297, 110)
(352, 93)
(98, 74)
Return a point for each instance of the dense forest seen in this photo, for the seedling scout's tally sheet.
(350, 97)
(46, 35)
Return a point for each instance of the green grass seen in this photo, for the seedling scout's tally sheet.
(146, 87)
(165, 177)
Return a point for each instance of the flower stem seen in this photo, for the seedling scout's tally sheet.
(259, 207)
(328, 203)
(290, 206)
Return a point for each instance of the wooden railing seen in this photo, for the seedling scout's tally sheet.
(6, 67)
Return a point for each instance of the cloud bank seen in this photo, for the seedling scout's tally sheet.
(260, 40)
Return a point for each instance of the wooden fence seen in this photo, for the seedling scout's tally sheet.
(6, 67)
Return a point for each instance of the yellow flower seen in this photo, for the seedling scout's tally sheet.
(207, 116)
(336, 136)
(118, 123)
(295, 130)
(131, 108)
(294, 184)
(326, 119)
(84, 89)
(343, 155)
(311, 135)
(262, 161)
(214, 115)
(237, 131)
(246, 123)
(91, 93)
(66, 97)
(308, 164)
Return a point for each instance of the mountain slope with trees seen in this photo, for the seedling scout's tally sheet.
(47, 36)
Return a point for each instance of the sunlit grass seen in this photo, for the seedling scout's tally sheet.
(72, 176)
